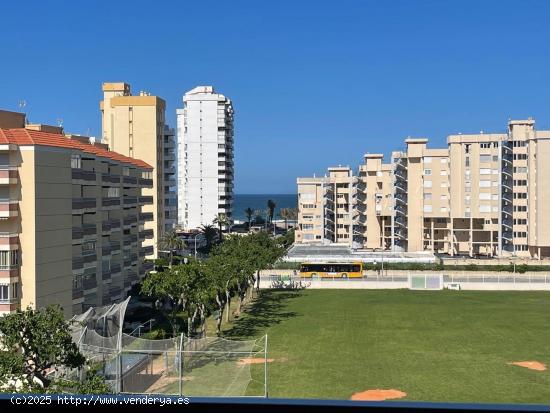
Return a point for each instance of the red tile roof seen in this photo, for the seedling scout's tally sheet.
(32, 137)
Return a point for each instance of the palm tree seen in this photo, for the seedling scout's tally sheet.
(292, 214)
(271, 209)
(249, 214)
(222, 221)
(283, 213)
(209, 233)
(172, 242)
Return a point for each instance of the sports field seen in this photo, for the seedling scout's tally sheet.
(451, 346)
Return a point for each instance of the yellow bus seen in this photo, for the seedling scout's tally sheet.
(331, 270)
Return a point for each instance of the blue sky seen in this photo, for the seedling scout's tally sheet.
(314, 83)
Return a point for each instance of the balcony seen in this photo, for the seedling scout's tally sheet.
(8, 208)
(127, 262)
(81, 204)
(147, 250)
(146, 216)
(84, 176)
(8, 175)
(146, 267)
(115, 269)
(115, 291)
(114, 224)
(130, 220)
(146, 200)
(78, 263)
(106, 274)
(88, 258)
(77, 293)
(9, 239)
(77, 233)
(106, 249)
(129, 180)
(146, 234)
(129, 200)
(89, 229)
(110, 201)
(110, 179)
(146, 182)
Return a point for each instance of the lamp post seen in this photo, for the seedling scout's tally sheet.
(195, 238)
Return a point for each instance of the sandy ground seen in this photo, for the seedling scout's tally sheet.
(253, 361)
(532, 365)
(378, 395)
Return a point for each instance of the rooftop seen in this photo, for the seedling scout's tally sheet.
(26, 137)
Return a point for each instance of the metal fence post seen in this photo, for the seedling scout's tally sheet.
(265, 367)
(181, 365)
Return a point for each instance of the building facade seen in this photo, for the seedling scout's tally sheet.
(205, 157)
(134, 126)
(72, 221)
(482, 195)
(170, 180)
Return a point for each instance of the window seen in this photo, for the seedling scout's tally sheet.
(485, 171)
(495, 158)
(495, 144)
(427, 196)
(444, 184)
(308, 236)
(427, 184)
(484, 184)
(484, 195)
(484, 158)
(307, 217)
(427, 171)
(467, 160)
(485, 208)
(427, 208)
(4, 293)
(76, 161)
(467, 200)
(427, 159)
(307, 226)
(308, 206)
(485, 145)
(309, 195)
(495, 171)
(443, 172)
(443, 160)
(520, 169)
(9, 258)
(443, 197)
(520, 182)
(443, 209)
(467, 150)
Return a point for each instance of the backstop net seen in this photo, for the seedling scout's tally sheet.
(209, 366)
(426, 282)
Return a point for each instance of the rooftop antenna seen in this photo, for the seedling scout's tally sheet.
(22, 104)
(59, 122)
(88, 132)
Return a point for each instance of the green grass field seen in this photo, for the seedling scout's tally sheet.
(445, 346)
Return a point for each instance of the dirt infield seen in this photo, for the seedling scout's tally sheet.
(531, 365)
(251, 360)
(378, 395)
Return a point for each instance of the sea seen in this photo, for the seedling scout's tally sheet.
(259, 201)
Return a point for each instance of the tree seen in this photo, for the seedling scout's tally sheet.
(249, 214)
(35, 345)
(222, 221)
(271, 209)
(172, 242)
(210, 234)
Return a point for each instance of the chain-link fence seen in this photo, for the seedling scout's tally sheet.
(209, 366)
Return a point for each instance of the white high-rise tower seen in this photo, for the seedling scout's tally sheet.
(205, 157)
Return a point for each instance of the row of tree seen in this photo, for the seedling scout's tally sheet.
(200, 288)
(288, 214)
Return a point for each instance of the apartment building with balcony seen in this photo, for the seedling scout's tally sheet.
(134, 126)
(72, 221)
(170, 180)
(483, 194)
(205, 157)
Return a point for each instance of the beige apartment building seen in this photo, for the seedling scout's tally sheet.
(134, 126)
(482, 195)
(72, 221)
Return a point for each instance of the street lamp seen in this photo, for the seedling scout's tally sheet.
(195, 238)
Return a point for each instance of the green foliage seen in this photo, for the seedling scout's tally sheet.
(271, 209)
(210, 233)
(35, 343)
(93, 384)
(287, 239)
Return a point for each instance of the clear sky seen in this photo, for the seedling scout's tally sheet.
(314, 83)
